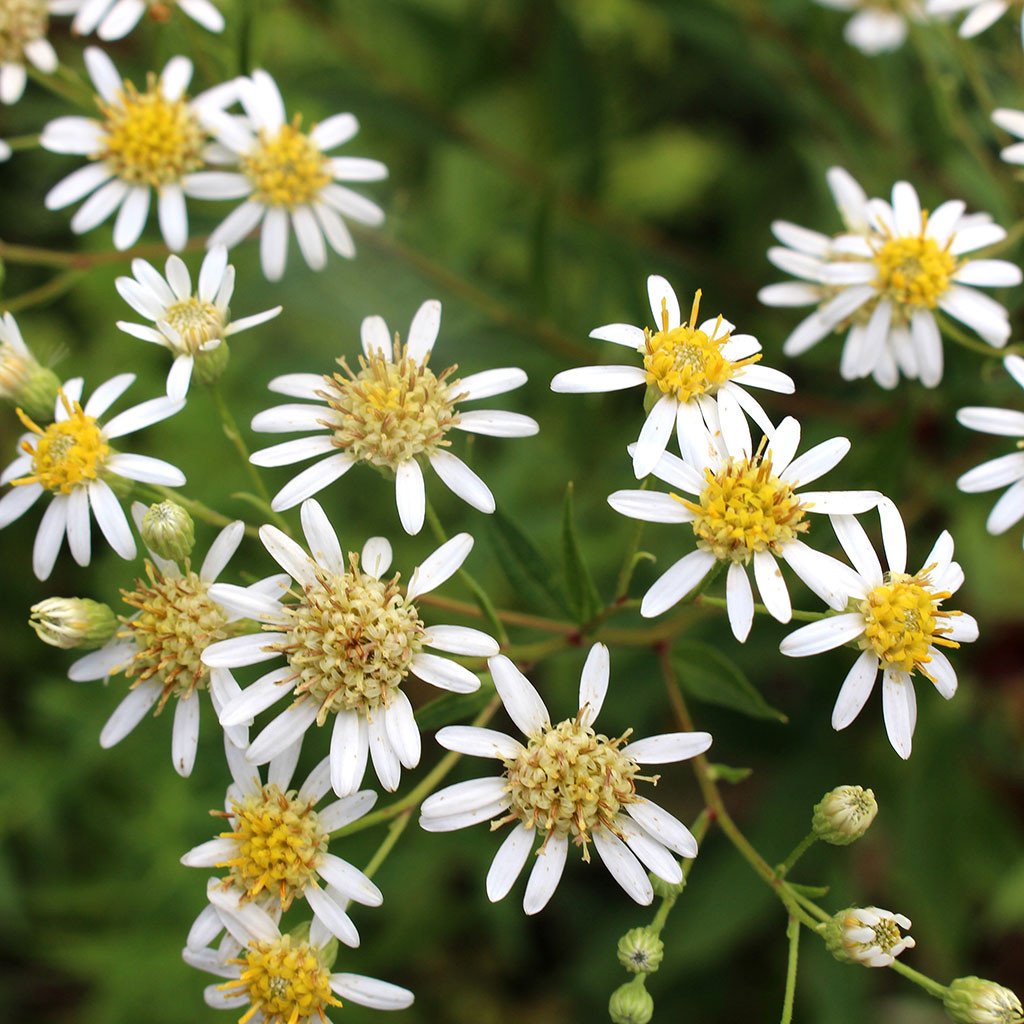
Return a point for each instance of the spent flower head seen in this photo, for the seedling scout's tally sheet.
(73, 622)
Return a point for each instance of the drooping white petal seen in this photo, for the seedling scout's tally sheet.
(508, 862)
(856, 689)
(546, 873)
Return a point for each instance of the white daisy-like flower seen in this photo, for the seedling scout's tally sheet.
(877, 26)
(898, 622)
(746, 509)
(192, 325)
(114, 19)
(981, 14)
(868, 935)
(145, 142)
(5, 151)
(159, 647)
(282, 979)
(886, 283)
(287, 179)
(71, 459)
(350, 639)
(394, 412)
(1006, 469)
(23, 28)
(567, 784)
(690, 368)
(1011, 121)
(275, 847)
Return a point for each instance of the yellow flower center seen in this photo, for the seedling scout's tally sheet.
(176, 622)
(286, 169)
(350, 641)
(914, 272)
(391, 412)
(285, 981)
(280, 843)
(745, 508)
(903, 619)
(569, 780)
(148, 139)
(197, 323)
(65, 455)
(21, 22)
(685, 361)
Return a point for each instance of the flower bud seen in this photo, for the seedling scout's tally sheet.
(640, 951)
(977, 1001)
(69, 622)
(168, 531)
(867, 935)
(666, 890)
(23, 382)
(211, 362)
(631, 1004)
(844, 814)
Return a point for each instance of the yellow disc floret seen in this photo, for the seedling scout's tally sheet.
(903, 619)
(569, 780)
(286, 169)
(196, 322)
(914, 272)
(149, 139)
(745, 508)
(350, 641)
(688, 362)
(280, 842)
(391, 411)
(21, 22)
(285, 981)
(67, 454)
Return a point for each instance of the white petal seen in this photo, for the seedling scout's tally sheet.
(282, 732)
(444, 673)
(654, 436)
(594, 683)
(289, 555)
(402, 730)
(410, 496)
(185, 734)
(497, 423)
(375, 557)
(378, 995)
(242, 650)
(508, 862)
(334, 918)
(676, 582)
(823, 635)
(666, 828)
(598, 379)
(663, 302)
(350, 747)
(477, 742)
(130, 712)
(899, 708)
(257, 697)
(440, 566)
(311, 481)
(423, 331)
(546, 873)
(623, 866)
(464, 796)
(856, 689)
(522, 702)
(739, 601)
(667, 748)
(321, 538)
(461, 640)
(462, 481)
(349, 880)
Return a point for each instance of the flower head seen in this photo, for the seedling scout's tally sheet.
(114, 19)
(567, 784)
(877, 26)
(23, 28)
(844, 814)
(690, 369)
(974, 1000)
(70, 622)
(393, 412)
(23, 382)
(868, 936)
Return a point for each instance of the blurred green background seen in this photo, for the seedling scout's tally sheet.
(545, 157)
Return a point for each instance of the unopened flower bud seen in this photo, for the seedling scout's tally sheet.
(844, 814)
(631, 1004)
(977, 1001)
(23, 382)
(168, 531)
(211, 362)
(867, 935)
(70, 622)
(640, 951)
(666, 890)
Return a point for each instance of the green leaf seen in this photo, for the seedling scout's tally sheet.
(726, 773)
(452, 707)
(583, 595)
(708, 675)
(812, 892)
(527, 569)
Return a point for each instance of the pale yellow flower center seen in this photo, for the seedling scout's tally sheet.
(285, 981)
(350, 641)
(15, 368)
(197, 323)
(148, 139)
(685, 361)
(745, 508)
(67, 454)
(21, 22)
(914, 272)
(391, 412)
(903, 619)
(280, 842)
(286, 169)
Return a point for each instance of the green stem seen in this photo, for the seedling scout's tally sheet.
(798, 851)
(157, 492)
(932, 987)
(699, 829)
(965, 340)
(53, 289)
(793, 931)
(629, 563)
(18, 142)
(66, 87)
(394, 832)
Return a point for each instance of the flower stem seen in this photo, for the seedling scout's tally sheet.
(394, 832)
(699, 829)
(964, 340)
(793, 931)
(932, 987)
(53, 289)
(798, 851)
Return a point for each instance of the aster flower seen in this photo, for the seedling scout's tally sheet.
(283, 979)
(981, 14)
(275, 847)
(350, 639)
(114, 19)
(885, 281)
(393, 413)
(877, 26)
(23, 28)
(286, 178)
(1006, 469)
(192, 325)
(1011, 121)
(568, 783)
(747, 509)
(690, 369)
(898, 622)
(72, 459)
(158, 647)
(145, 142)
(868, 935)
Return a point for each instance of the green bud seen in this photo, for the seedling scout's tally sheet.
(168, 531)
(844, 814)
(640, 951)
(210, 364)
(70, 622)
(977, 1001)
(631, 1004)
(666, 890)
